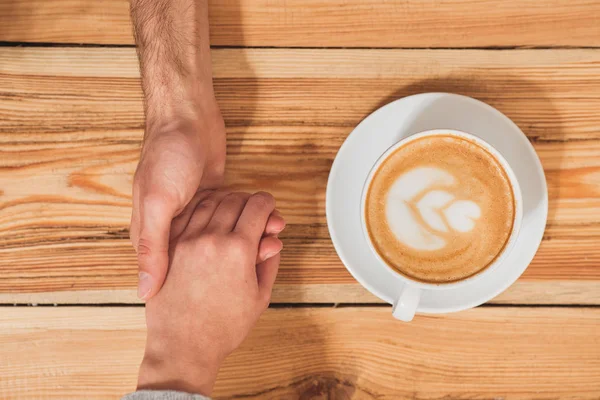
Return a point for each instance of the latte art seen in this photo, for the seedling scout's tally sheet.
(440, 209)
(419, 215)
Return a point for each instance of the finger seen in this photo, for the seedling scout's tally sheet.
(266, 272)
(228, 212)
(253, 220)
(180, 223)
(269, 246)
(203, 213)
(156, 214)
(275, 224)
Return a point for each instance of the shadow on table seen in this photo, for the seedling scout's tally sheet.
(265, 151)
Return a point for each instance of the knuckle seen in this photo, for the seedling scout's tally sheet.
(209, 243)
(209, 203)
(263, 200)
(202, 195)
(213, 199)
(144, 248)
(156, 194)
(237, 197)
(231, 197)
(239, 243)
(210, 240)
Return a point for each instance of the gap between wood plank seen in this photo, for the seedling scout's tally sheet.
(499, 48)
(305, 305)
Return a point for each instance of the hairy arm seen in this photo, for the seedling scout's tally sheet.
(174, 51)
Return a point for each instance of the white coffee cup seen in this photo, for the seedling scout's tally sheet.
(406, 304)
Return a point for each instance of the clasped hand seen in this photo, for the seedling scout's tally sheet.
(214, 292)
(179, 160)
(207, 257)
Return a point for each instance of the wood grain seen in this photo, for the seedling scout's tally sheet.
(551, 94)
(71, 122)
(325, 23)
(322, 353)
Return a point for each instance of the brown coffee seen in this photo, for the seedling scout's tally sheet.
(440, 209)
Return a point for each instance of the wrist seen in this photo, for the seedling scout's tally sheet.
(166, 367)
(170, 109)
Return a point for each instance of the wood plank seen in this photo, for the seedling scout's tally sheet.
(552, 94)
(71, 122)
(508, 353)
(325, 23)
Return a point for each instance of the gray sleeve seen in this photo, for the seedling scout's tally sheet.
(162, 395)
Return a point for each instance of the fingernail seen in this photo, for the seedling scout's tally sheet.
(279, 230)
(144, 285)
(272, 254)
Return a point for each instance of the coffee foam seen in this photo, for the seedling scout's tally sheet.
(440, 209)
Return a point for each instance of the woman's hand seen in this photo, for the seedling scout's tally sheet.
(214, 293)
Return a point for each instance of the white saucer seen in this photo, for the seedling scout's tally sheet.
(397, 120)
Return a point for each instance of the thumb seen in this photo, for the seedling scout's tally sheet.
(153, 245)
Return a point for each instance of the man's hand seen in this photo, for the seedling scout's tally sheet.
(176, 162)
(184, 142)
(176, 165)
(214, 293)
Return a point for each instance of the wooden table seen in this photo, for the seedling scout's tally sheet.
(293, 77)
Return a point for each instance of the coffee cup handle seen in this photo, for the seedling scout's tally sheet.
(405, 307)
